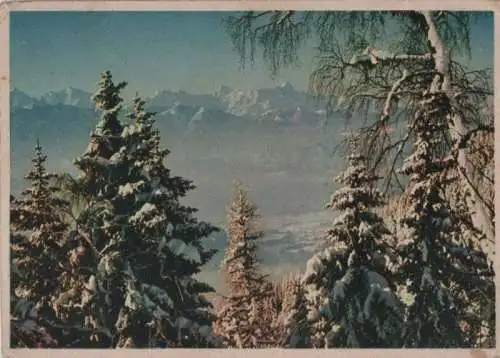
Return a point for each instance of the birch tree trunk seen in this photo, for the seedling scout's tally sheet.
(481, 216)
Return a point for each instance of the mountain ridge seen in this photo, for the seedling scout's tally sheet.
(282, 103)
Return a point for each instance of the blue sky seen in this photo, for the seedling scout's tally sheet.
(169, 50)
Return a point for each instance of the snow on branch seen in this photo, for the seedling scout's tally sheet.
(441, 56)
(374, 56)
(392, 93)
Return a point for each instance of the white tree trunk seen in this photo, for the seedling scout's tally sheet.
(481, 219)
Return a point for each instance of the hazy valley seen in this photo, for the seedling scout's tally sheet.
(276, 141)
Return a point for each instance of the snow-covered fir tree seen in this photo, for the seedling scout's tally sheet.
(39, 258)
(26, 330)
(172, 230)
(293, 315)
(476, 296)
(38, 233)
(88, 237)
(245, 320)
(147, 246)
(441, 266)
(350, 293)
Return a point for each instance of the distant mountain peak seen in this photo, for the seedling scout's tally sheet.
(20, 99)
(68, 96)
(287, 86)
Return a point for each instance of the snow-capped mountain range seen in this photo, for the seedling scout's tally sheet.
(279, 104)
(69, 96)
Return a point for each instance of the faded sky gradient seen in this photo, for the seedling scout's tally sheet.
(152, 51)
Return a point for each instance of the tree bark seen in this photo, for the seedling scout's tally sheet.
(482, 220)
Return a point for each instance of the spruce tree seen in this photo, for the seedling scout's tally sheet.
(349, 284)
(242, 321)
(38, 252)
(38, 245)
(26, 330)
(95, 224)
(293, 316)
(147, 246)
(441, 266)
(175, 238)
